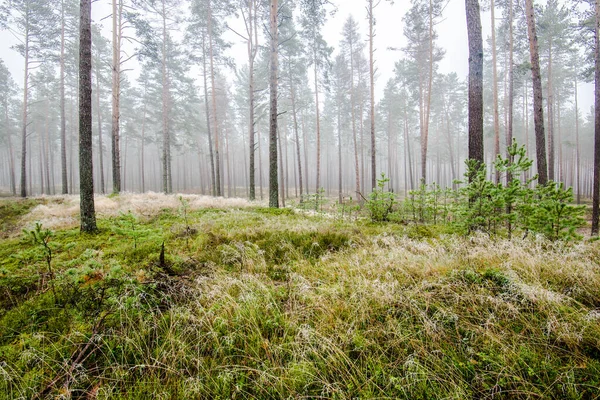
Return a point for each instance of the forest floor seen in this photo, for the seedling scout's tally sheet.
(251, 302)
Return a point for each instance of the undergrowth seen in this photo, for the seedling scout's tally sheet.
(257, 303)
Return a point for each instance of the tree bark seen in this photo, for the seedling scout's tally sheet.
(425, 133)
(495, 86)
(214, 103)
(596, 185)
(86, 169)
(273, 187)
(475, 81)
(295, 117)
(538, 111)
(251, 55)
(116, 95)
(63, 123)
(372, 81)
(24, 114)
(550, 105)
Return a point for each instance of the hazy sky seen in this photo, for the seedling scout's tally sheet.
(452, 37)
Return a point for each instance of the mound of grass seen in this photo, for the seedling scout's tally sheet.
(259, 304)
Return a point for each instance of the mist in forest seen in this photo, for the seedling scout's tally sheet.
(181, 96)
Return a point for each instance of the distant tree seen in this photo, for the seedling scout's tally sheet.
(33, 22)
(419, 30)
(273, 186)
(596, 188)
(314, 15)
(475, 81)
(351, 46)
(8, 91)
(86, 169)
(538, 111)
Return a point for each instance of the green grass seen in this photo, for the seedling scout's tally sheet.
(258, 303)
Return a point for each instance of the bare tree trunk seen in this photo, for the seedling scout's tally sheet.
(24, 114)
(425, 134)
(214, 102)
(86, 180)
(495, 86)
(210, 145)
(100, 145)
(577, 148)
(596, 186)
(116, 95)
(538, 111)
(475, 81)
(63, 124)
(550, 104)
(318, 180)
(252, 44)
(372, 79)
(167, 184)
(339, 129)
(295, 116)
(511, 98)
(11, 159)
(281, 170)
(273, 188)
(353, 111)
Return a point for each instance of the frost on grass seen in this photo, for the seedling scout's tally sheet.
(63, 211)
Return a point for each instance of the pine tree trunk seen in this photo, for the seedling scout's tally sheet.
(511, 97)
(251, 55)
(273, 188)
(475, 81)
(538, 111)
(86, 169)
(550, 105)
(372, 79)
(63, 123)
(24, 114)
(166, 156)
(116, 96)
(318, 180)
(295, 117)
(495, 86)
(425, 135)
(11, 158)
(100, 145)
(577, 148)
(210, 145)
(596, 185)
(214, 103)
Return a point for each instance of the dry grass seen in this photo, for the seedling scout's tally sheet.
(63, 211)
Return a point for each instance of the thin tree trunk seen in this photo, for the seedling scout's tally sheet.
(295, 117)
(538, 111)
(495, 86)
(210, 145)
(550, 105)
(511, 99)
(100, 146)
(166, 156)
(273, 188)
(251, 55)
(24, 114)
(86, 180)
(316, 75)
(596, 185)
(372, 81)
(116, 96)
(214, 102)
(63, 123)
(424, 137)
(577, 148)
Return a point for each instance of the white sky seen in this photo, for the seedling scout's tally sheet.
(389, 33)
